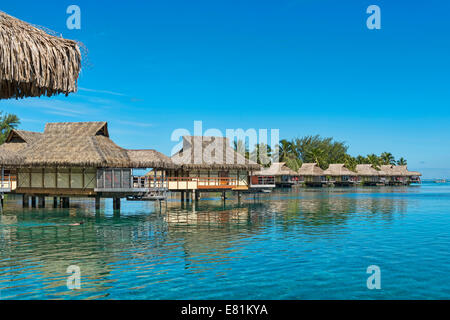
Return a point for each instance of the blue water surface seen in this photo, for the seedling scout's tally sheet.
(291, 244)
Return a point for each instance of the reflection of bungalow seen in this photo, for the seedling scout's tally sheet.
(338, 174)
(368, 175)
(282, 174)
(311, 175)
(209, 164)
(77, 159)
(399, 175)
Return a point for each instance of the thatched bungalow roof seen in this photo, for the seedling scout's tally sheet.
(82, 144)
(34, 63)
(391, 170)
(310, 169)
(211, 153)
(17, 140)
(338, 169)
(277, 169)
(367, 170)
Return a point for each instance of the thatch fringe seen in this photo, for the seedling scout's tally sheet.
(34, 63)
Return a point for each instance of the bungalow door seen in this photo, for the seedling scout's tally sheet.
(223, 178)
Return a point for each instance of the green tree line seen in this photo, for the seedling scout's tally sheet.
(316, 149)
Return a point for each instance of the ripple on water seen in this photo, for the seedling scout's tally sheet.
(305, 244)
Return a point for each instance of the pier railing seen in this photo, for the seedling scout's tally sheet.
(149, 182)
(189, 183)
(7, 182)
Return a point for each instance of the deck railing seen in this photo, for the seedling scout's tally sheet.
(263, 180)
(7, 182)
(205, 183)
(149, 182)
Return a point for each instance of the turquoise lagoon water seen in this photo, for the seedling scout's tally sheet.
(306, 244)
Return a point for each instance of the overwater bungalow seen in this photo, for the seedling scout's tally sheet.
(399, 175)
(338, 174)
(368, 175)
(282, 175)
(311, 175)
(210, 164)
(77, 159)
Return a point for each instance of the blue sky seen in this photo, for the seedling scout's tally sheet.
(304, 67)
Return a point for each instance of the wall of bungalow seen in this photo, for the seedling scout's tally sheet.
(193, 179)
(56, 178)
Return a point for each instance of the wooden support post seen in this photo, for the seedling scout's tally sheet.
(182, 196)
(116, 204)
(65, 202)
(41, 202)
(25, 201)
(239, 196)
(33, 201)
(1, 202)
(197, 195)
(55, 202)
(97, 202)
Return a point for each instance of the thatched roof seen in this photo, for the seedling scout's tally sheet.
(310, 169)
(338, 169)
(81, 144)
(391, 170)
(215, 153)
(34, 63)
(277, 169)
(367, 170)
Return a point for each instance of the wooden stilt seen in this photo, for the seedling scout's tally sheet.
(41, 201)
(97, 203)
(25, 201)
(55, 202)
(116, 203)
(66, 202)
(33, 201)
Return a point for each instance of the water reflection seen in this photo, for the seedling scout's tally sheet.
(152, 248)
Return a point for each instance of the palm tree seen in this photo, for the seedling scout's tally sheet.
(285, 149)
(387, 158)
(374, 160)
(7, 123)
(350, 162)
(402, 162)
(262, 154)
(361, 160)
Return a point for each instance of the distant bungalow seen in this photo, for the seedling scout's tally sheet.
(210, 164)
(282, 175)
(338, 174)
(311, 175)
(368, 175)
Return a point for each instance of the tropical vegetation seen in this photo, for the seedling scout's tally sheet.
(7, 123)
(323, 151)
